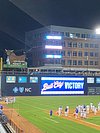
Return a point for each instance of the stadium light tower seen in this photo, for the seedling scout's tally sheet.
(97, 30)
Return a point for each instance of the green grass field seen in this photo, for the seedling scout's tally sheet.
(36, 110)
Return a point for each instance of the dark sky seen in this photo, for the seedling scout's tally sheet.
(19, 16)
(77, 13)
(13, 25)
(74, 13)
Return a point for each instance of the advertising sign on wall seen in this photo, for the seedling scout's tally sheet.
(20, 85)
(98, 80)
(10, 79)
(62, 85)
(90, 79)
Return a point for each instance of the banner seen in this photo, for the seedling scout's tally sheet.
(62, 85)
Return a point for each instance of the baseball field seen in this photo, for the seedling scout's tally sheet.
(36, 111)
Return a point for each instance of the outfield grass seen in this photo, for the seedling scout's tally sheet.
(36, 110)
(95, 120)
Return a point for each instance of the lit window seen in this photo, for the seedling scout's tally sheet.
(53, 47)
(71, 35)
(54, 37)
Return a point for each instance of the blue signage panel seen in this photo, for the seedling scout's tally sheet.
(62, 85)
(98, 80)
(22, 79)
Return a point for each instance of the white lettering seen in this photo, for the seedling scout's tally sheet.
(74, 85)
(28, 90)
(46, 86)
(58, 84)
(55, 84)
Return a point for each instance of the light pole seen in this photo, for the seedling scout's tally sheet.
(87, 65)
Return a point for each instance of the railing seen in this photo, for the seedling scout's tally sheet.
(58, 72)
(2, 129)
(14, 127)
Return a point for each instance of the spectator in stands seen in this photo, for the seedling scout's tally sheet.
(1, 106)
(1, 112)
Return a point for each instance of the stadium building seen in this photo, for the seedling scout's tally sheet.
(63, 46)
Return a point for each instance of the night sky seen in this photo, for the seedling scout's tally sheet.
(74, 13)
(19, 16)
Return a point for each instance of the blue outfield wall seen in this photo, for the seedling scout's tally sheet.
(39, 84)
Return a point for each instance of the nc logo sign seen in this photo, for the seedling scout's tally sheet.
(22, 90)
(28, 90)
